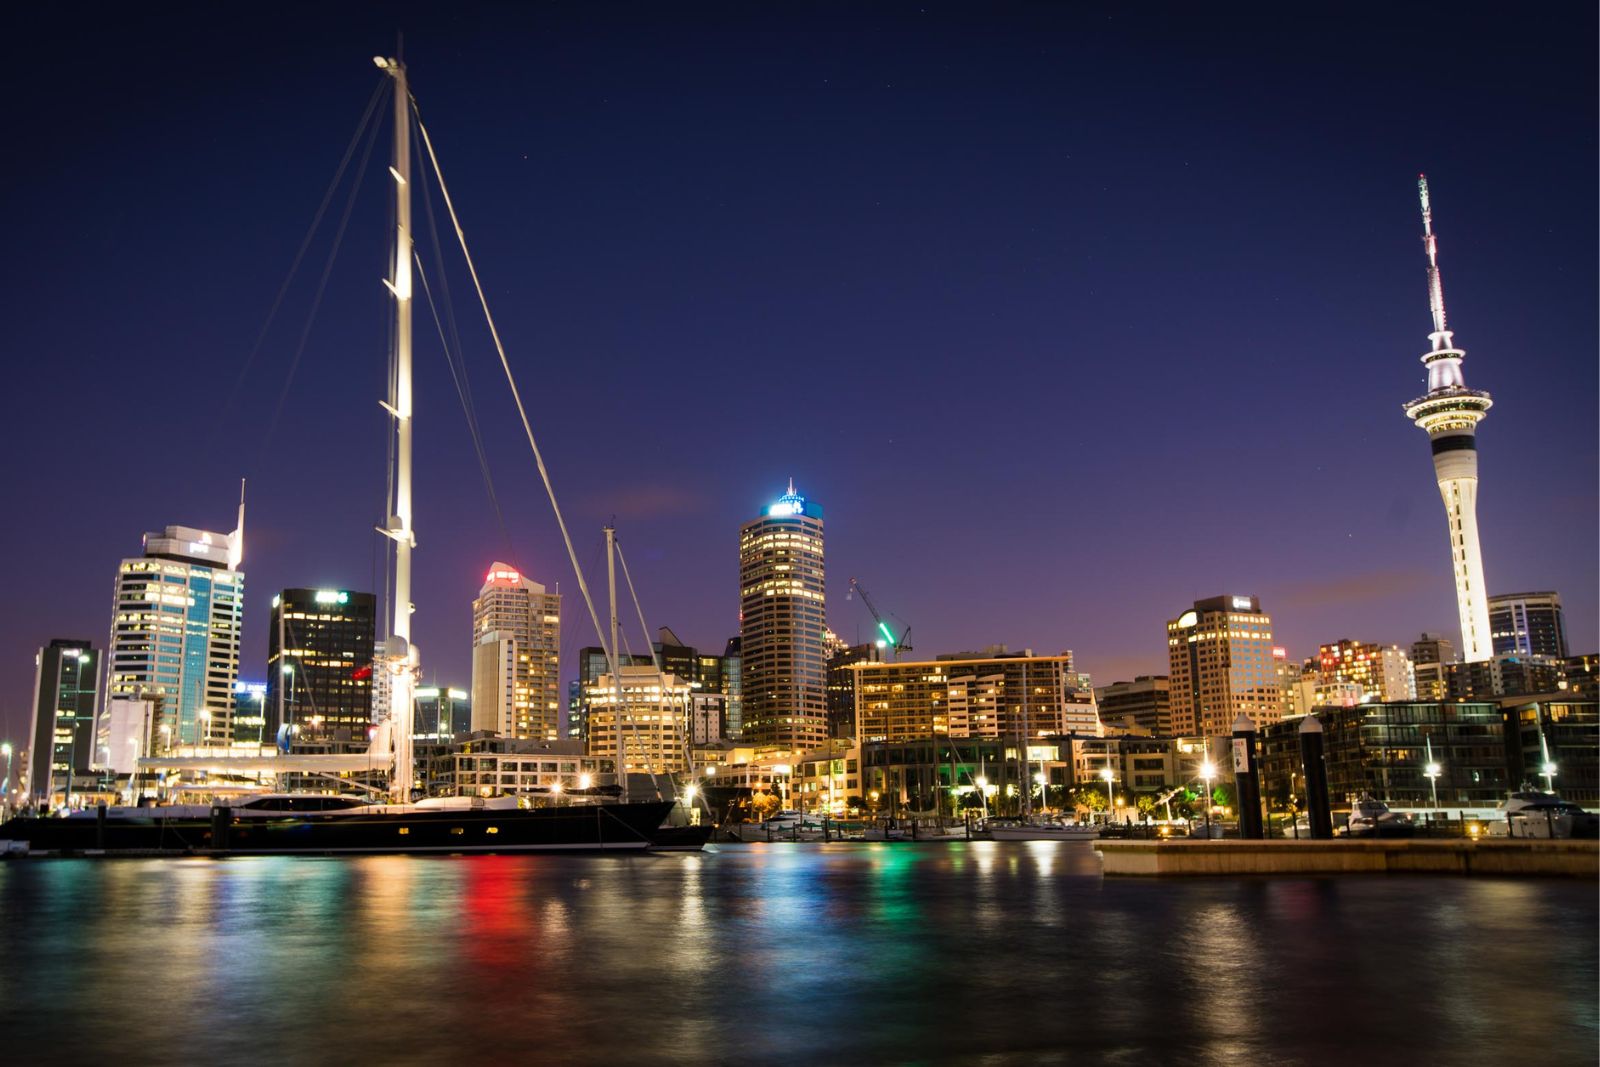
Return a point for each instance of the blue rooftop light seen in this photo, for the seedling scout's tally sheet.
(790, 503)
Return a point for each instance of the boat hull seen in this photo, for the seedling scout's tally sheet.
(1042, 833)
(593, 828)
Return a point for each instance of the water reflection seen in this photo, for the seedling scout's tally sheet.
(986, 952)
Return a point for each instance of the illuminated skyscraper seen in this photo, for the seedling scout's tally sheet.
(65, 689)
(319, 669)
(1221, 664)
(782, 623)
(1450, 413)
(175, 632)
(516, 653)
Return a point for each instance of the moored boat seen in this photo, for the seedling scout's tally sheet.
(1039, 830)
(280, 824)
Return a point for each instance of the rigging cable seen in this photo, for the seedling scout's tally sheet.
(322, 287)
(661, 678)
(516, 395)
(305, 243)
(466, 406)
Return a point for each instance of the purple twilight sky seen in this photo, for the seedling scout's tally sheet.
(1067, 314)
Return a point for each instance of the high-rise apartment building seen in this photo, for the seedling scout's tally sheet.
(782, 623)
(1450, 413)
(319, 669)
(1379, 672)
(177, 616)
(988, 694)
(1531, 624)
(1144, 704)
(66, 691)
(648, 715)
(842, 686)
(1221, 665)
(516, 657)
(1431, 655)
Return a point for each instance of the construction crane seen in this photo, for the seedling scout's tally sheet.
(898, 646)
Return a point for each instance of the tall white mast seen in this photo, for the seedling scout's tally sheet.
(401, 657)
(616, 659)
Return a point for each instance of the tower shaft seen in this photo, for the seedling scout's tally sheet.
(1450, 413)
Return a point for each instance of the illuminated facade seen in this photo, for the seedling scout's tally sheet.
(992, 695)
(66, 690)
(1221, 662)
(1450, 412)
(319, 669)
(782, 626)
(1529, 624)
(1377, 672)
(175, 632)
(654, 722)
(516, 657)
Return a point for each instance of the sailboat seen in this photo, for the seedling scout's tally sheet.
(321, 824)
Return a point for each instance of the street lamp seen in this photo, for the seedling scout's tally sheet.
(1208, 771)
(983, 794)
(1106, 776)
(1431, 771)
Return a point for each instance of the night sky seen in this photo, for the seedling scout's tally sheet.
(1068, 315)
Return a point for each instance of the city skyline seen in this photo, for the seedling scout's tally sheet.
(1096, 566)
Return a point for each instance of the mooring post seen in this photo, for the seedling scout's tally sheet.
(1316, 774)
(1247, 778)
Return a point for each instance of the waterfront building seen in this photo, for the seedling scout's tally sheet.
(443, 713)
(177, 616)
(1582, 676)
(1144, 703)
(1563, 732)
(1506, 675)
(1379, 672)
(1221, 663)
(1450, 412)
(483, 764)
(1529, 624)
(828, 779)
(319, 669)
(647, 715)
(1382, 750)
(842, 686)
(973, 694)
(516, 657)
(66, 694)
(782, 601)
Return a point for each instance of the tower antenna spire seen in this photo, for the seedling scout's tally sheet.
(1441, 331)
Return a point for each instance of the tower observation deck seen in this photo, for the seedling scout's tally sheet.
(1450, 413)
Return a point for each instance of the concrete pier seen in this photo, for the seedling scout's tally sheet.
(1539, 858)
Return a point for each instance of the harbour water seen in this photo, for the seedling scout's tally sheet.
(978, 952)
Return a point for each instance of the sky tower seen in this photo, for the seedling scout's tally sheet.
(1450, 413)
